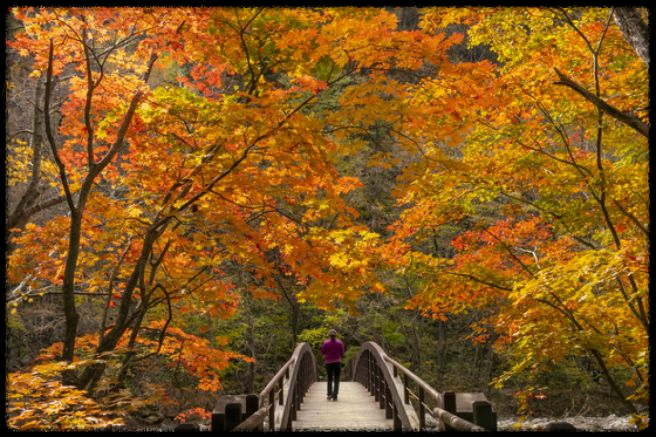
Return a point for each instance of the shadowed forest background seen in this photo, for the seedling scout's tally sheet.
(193, 191)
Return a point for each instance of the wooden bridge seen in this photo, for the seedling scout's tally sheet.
(376, 393)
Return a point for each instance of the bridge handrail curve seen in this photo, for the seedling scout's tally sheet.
(277, 378)
(378, 372)
(455, 421)
(439, 413)
(434, 394)
(303, 375)
(399, 414)
(300, 371)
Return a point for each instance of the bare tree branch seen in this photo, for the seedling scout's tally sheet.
(49, 132)
(624, 117)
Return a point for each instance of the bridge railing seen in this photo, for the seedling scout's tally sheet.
(303, 375)
(371, 367)
(281, 398)
(404, 396)
(446, 408)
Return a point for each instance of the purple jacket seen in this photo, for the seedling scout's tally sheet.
(332, 350)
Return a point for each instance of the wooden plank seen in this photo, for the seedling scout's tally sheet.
(355, 409)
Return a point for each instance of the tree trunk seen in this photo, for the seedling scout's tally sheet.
(68, 289)
(407, 18)
(614, 386)
(77, 211)
(634, 30)
(441, 347)
(92, 374)
(251, 347)
(17, 218)
(416, 339)
(294, 323)
(29, 204)
(293, 305)
(131, 353)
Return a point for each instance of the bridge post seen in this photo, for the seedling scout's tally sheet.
(374, 377)
(450, 406)
(388, 403)
(252, 404)
(381, 388)
(406, 391)
(220, 421)
(483, 415)
(374, 380)
(304, 379)
(231, 410)
(398, 426)
(272, 408)
(299, 396)
(472, 407)
(294, 401)
(301, 383)
(450, 401)
(369, 375)
(422, 409)
(226, 420)
(232, 416)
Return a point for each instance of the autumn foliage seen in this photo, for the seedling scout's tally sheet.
(548, 200)
(195, 146)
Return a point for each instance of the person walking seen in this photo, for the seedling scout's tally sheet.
(333, 352)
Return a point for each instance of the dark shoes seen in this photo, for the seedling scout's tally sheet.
(331, 398)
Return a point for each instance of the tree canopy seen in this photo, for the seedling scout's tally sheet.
(174, 170)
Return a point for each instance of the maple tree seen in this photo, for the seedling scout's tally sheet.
(77, 138)
(197, 147)
(190, 146)
(568, 275)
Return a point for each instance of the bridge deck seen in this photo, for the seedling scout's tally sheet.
(355, 409)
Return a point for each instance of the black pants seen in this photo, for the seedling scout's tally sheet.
(333, 370)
